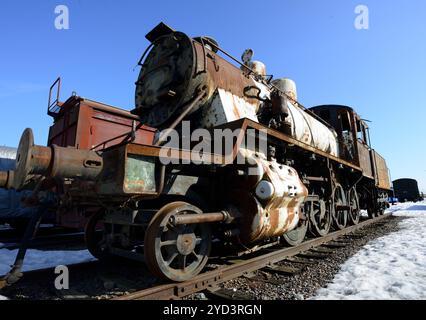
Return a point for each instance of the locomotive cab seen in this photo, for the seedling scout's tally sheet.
(352, 131)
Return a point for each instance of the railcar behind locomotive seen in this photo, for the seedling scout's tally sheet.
(406, 190)
(307, 170)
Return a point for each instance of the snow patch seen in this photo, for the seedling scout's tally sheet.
(3, 298)
(37, 259)
(390, 267)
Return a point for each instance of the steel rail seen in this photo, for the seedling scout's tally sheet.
(213, 278)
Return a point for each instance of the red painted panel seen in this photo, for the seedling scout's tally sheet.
(84, 126)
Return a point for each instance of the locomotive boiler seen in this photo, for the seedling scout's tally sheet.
(236, 161)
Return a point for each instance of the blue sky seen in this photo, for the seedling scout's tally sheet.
(381, 71)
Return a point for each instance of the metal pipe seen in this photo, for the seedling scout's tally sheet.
(15, 273)
(75, 163)
(40, 159)
(108, 108)
(185, 112)
(318, 179)
(222, 216)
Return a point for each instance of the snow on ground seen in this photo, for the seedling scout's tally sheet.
(37, 259)
(390, 267)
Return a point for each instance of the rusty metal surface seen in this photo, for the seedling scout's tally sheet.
(229, 158)
(178, 66)
(121, 174)
(178, 253)
(139, 174)
(276, 213)
(365, 160)
(381, 172)
(75, 163)
(200, 218)
(127, 171)
(305, 127)
(6, 179)
(215, 277)
(166, 80)
(246, 123)
(88, 124)
(53, 161)
(30, 159)
(196, 65)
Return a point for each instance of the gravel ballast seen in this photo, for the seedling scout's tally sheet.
(314, 276)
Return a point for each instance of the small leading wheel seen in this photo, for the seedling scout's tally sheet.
(353, 202)
(95, 234)
(176, 252)
(340, 215)
(296, 236)
(319, 217)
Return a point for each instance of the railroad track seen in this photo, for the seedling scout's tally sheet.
(132, 281)
(210, 280)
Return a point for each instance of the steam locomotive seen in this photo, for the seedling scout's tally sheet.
(280, 170)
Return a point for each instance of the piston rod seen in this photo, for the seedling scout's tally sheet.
(222, 216)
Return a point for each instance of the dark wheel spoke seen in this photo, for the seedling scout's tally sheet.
(182, 262)
(319, 218)
(354, 212)
(196, 255)
(340, 216)
(168, 243)
(172, 258)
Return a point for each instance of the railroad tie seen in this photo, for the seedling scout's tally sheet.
(270, 280)
(228, 294)
(299, 260)
(311, 254)
(335, 245)
(283, 270)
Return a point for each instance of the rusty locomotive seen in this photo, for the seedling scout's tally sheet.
(286, 170)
